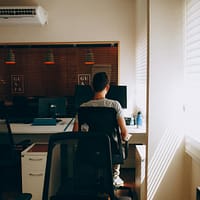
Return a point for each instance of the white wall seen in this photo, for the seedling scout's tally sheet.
(165, 145)
(84, 20)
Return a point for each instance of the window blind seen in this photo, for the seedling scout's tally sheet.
(192, 66)
(192, 43)
(141, 74)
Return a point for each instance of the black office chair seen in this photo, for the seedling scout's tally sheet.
(103, 120)
(79, 167)
(2, 109)
(6, 137)
(10, 164)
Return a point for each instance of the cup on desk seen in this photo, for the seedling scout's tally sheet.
(128, 120)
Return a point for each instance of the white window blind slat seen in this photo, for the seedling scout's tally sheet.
(194, 42)
(141, 73)
(192, 64)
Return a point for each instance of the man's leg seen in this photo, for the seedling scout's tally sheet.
(117, 181)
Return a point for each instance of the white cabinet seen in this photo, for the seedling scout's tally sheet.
(140, 156)
(33, 169)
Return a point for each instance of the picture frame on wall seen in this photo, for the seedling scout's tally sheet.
(83, 79)
(17, 84)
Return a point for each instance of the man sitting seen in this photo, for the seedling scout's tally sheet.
(101, 87)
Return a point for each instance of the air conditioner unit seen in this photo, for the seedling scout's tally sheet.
(23, 15)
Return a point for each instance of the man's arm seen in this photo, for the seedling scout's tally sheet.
(124, 132)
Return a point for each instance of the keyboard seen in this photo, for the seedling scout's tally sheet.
(44, 122)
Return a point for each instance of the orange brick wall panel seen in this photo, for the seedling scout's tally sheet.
(53, 80)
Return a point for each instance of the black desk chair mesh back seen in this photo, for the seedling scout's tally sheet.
(90, 158)
(6, 143)
(78, 167)
(10, 162)
(4, 126)
(103, 120)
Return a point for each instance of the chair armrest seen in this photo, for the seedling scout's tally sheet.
(125, 145)
(24, 196)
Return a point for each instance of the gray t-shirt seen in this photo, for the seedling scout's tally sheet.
(104, 103)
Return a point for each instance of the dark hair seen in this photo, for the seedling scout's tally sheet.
(100, 80)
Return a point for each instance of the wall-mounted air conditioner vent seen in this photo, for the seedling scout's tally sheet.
(23, 15)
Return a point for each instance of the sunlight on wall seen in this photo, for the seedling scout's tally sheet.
(161, 159)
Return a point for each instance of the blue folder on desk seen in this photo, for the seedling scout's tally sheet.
(44, 122)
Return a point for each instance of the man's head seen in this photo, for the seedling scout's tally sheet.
(100, 81)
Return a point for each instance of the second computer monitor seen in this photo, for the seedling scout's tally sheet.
(119, 93)
(84, 93)
(52, 107)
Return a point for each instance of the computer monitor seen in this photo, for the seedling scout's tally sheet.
(83, 93)
(52, 107)
(119, 93)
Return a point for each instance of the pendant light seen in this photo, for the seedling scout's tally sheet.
(49, 58)
(10, 59)
(89, 57)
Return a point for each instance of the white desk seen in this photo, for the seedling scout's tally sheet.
(138, 135)
(41, 132)
(18, 128)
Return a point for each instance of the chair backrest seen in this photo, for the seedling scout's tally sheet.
(10, 160)
(78, 167)
(4, 126)
(2, 109)
(103, 120)
(6, 141)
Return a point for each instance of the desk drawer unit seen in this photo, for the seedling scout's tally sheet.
(33, 169)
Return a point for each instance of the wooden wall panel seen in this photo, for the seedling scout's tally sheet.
(58, 79)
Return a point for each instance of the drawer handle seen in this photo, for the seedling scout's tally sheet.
(40, 174)
(35, 159)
